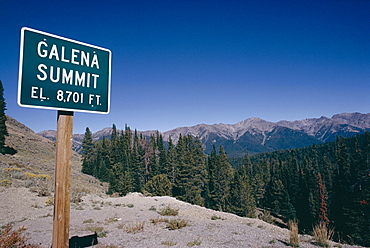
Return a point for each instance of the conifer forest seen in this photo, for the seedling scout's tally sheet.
(327, 183)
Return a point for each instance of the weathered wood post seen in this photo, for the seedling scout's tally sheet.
(62, 179)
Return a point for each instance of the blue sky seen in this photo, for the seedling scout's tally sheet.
(182, 63)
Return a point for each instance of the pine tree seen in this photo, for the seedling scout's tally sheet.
(242, 201)
(277, 198)
(171, 161)
(211, 172)
(116, 146)
(102, 168)
(87, 153)
(342, 195)
(159, 186)
(137, 167)
(162, 155)
(3, 130)
(221, 176)
(199, 181)
(154, 169)
(190, 179)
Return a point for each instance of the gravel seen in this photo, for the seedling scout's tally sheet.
(117, 218)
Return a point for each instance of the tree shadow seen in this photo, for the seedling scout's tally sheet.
(9, 150)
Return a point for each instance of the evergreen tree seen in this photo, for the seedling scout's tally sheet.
(116, 146)
(221, 176)
(102, 168)
(211, 172)
(159, 186)
(277, 198)
(342, 196)
(162, 155)
(190, 180)
(3, 130)
(242, 201)
(137, 167)
(199, 177)
(87, 153)
(171, 162)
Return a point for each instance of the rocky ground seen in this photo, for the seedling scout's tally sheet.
(135, 221)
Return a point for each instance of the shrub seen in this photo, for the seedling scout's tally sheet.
(13, 172)
(11, 169)
(175, 224)
(88, 221)
(49, 201)
(43, 176)
(18, 175)
(194, 243)
(215, 217)
(5, 183)
(112, 219)
(98, 230)
(158, 220)
(168, 243)
(11, 238)
(29, 174)
(134, 228)
(168, 211)
(30, 184)
(76, 195)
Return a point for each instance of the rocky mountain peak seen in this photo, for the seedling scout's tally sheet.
(258, 135)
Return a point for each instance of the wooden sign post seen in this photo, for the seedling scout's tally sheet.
(62, 180)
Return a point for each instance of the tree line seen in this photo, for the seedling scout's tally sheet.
(326, 183)
(130, 162)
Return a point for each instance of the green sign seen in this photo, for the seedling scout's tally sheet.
(63, 74)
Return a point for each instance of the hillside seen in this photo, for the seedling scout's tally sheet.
(255, 135)
(35, 155)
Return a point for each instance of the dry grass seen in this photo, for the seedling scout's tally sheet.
(168, 243)
(172, 224)
(158, 220)
(135, 228)
(11, 238)
(194, 243)
(33, 165)
(293, 227)
(98, 230)
(168, 211)
(175, 224)
(322, 234)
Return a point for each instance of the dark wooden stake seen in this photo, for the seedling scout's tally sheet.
(62, 180)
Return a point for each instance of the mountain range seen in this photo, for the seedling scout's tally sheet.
(255, 135)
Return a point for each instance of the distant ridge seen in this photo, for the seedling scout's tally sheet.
(255, 135)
